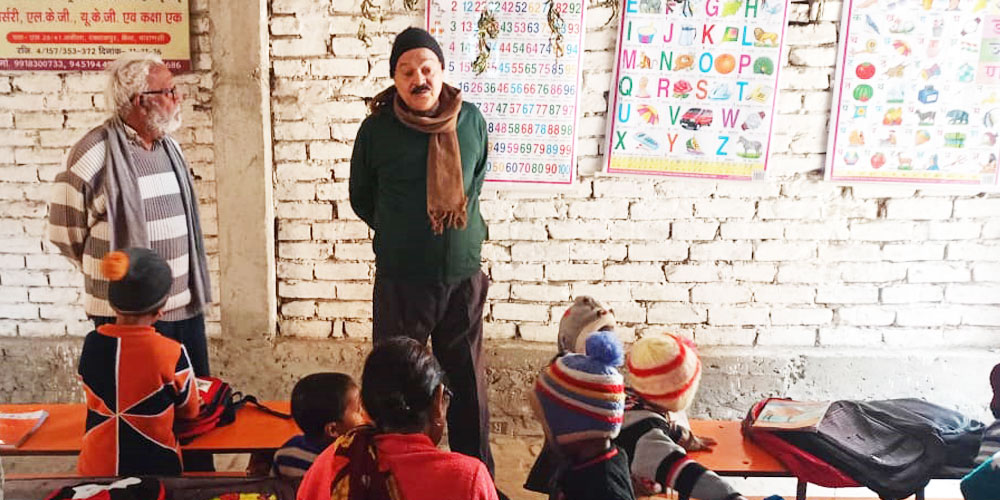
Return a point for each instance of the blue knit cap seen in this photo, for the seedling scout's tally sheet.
(581, 396)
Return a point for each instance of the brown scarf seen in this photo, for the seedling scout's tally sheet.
(446, 201)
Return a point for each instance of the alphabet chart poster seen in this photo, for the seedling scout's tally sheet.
(529, 89)
(917, 98)
(695, 87)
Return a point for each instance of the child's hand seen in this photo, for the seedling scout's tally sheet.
(259, 464)
(645, 487)
(700, 443)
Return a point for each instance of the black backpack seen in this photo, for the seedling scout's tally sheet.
(892, 447)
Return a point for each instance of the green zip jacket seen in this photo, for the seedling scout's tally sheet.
(389, 192)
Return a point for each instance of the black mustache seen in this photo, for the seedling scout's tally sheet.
(420, 88)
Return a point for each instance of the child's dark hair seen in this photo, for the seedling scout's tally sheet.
(318, 399)
(398, 384)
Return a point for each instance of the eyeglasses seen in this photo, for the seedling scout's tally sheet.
(171, 92)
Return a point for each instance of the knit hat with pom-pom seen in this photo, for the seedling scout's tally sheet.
(140, 280)
(665, 370)
(582, 396)
(584, 316)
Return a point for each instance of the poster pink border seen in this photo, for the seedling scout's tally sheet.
(613, 104)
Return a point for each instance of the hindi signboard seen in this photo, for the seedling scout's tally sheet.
(917, 93)
(40, 35)
(529, 88)
(695, 87)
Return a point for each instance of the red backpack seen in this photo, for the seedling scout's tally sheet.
(803, 464)
(218, 408)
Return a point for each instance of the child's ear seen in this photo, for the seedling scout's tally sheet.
(159, 314)
(331, 430)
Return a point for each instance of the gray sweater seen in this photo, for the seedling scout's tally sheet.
(651, 442)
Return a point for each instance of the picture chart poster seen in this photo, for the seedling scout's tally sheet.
(529, 89)
(917, 93)
(695, 87)
(60, 35)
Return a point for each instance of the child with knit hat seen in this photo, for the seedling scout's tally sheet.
(663, 376)
(135, 380)
(580, 399)
(647, 419)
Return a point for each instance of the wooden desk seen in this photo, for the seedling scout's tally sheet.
(62, 432)
(733, 455)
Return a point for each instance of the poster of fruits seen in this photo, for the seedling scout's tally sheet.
(917, 93)
(519, 61)
(695, 87)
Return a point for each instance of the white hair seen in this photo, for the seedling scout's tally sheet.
(127, 77)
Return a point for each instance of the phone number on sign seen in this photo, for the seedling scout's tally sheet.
(516, 108)
(529, 128)
(531, 148)
(519, 88)
(525, 167)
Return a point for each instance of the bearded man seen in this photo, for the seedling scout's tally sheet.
(417, 170)
(126, 184)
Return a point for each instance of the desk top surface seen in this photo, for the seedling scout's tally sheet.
(733, 455)
(62, 431)
(255, 430)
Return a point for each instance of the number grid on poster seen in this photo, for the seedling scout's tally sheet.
(528, 95)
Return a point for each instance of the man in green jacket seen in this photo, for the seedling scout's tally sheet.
(418, 166)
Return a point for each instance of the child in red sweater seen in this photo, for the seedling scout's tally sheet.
(403, 390)
(136, 380)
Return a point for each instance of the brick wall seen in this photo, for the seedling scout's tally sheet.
(42, 114)
(792, 261)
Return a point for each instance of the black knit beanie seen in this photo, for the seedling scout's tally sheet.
(409, 39)
(139, 278)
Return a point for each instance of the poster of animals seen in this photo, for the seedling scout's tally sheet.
(519, 61)
(917, 93)
(695, 87)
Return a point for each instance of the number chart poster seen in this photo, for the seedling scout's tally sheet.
(917, 98)
(695, 87)
(57, 35)
(528, 95)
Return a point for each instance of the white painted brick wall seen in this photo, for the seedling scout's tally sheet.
(791, 261)
(42, 114)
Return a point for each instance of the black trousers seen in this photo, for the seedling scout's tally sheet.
(452, 317)
(189, 332)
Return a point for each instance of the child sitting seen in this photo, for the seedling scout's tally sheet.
(325, 406)
(580, 399)
(585, 314)
(136, 380)
(664, 372)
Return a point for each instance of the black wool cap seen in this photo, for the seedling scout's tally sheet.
(140, 280)
(409, 39)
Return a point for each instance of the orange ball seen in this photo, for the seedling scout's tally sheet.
(114, 265)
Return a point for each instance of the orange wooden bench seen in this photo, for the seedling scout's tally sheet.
(255, 430)
(62, 432)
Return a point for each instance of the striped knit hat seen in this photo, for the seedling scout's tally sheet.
(584, 316)
(665, 370)
(579, 397)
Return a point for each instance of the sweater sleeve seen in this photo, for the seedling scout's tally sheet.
(482, 485)
(363, 183)
(479, 176)
(188, 403)
(661, 460)
(72, 199)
